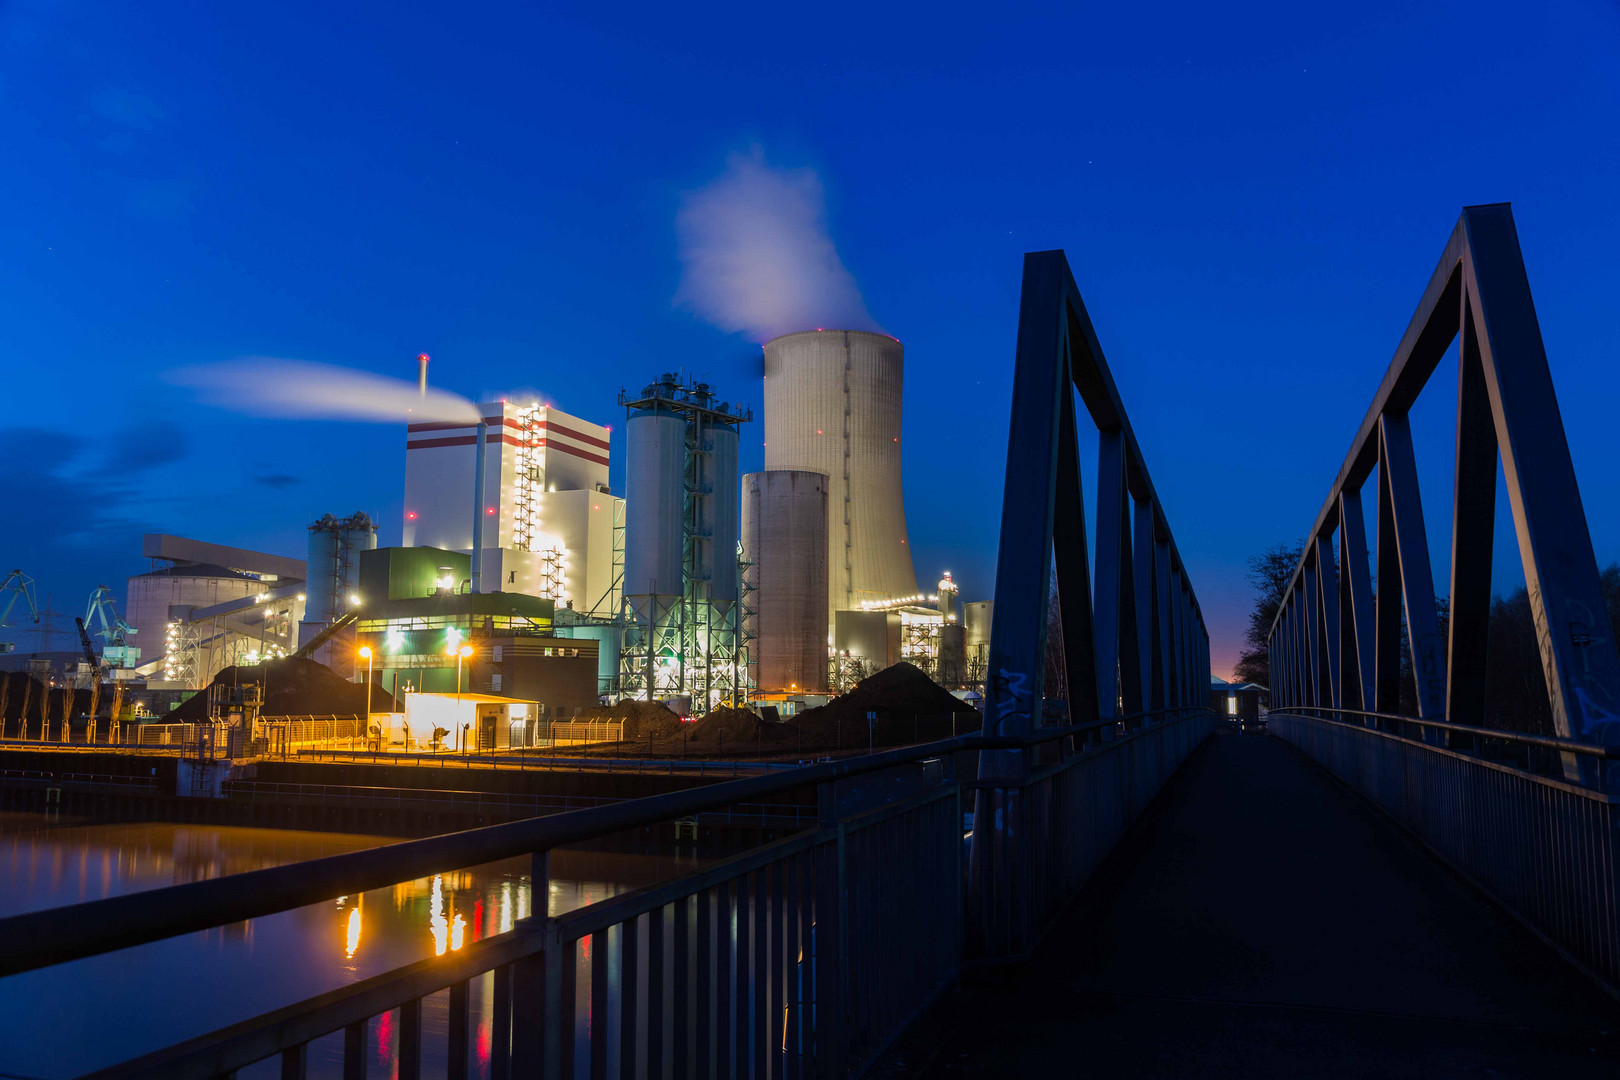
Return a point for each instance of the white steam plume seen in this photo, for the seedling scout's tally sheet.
(265, 386)
(756, 256)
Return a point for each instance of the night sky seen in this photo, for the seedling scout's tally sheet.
(1252, 198)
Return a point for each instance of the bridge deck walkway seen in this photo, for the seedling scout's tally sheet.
(1261, 920)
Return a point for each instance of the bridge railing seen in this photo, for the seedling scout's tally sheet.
(1544, 848)
(1356, 622)
(1057, 819)
(803, 957)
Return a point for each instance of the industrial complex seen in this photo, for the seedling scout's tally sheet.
(521, 577)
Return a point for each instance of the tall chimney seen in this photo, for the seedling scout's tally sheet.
(478, 508)
(421, 374)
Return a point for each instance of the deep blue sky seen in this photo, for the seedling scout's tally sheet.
(1252, 200)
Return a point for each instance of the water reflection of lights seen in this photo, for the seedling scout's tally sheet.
(436, 920)
(295, 955)
(448, 934)
(354, 931)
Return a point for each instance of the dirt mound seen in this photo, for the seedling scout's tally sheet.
(910, 707)
(641, 718)
(741, 728)
(292, 687)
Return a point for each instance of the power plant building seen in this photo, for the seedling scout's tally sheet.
(784, 538)
(206, 606)
(832, 406)
(548, 516)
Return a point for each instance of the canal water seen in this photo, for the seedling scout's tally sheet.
(66, 1020)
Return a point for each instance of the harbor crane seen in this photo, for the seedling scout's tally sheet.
(18, 585)
(116, 652)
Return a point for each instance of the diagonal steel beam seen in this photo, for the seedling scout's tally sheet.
(1473, 530)
(1354, 571)
(1566, 596)
(1327, 589)
(1417, 580)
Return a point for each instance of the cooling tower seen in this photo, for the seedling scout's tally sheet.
(784, 535)
(832, 405)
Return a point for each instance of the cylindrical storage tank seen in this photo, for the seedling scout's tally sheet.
(832, 405)
(720, 549)
(358, 535)
(654, 492)
(152, 595)
(784, 530)
(325, 569)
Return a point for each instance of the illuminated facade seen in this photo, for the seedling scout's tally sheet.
(548, 514)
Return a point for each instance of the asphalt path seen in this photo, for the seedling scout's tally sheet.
(1261, 920)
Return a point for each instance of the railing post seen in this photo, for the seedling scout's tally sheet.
(832, 927)
(527, 981)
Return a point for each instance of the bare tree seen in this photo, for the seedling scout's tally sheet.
(1270, 573)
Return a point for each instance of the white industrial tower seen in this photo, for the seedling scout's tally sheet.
(548, 517)
(832, 405)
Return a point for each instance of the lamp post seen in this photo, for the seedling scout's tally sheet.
(460, 654)
(365, 652)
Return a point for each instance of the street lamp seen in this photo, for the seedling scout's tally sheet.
(365, 651)
(460, 654)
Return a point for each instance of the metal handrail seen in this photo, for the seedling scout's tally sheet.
(1608, 753)
(57, 935)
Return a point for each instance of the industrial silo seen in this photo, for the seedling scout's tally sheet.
(325, 565)
(655, 438)
(334, 571)
(720, 546)
(358, 534)
(680, 544)
(832, 405)
(784, 529)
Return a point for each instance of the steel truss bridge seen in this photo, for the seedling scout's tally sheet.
(1367, 869)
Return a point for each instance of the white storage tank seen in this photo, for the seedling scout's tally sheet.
(784, 528)
(325, 565)
(359, 534)
(832, 405)
(157, 596)
(655, 444)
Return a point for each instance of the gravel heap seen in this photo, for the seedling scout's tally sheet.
(909, 705)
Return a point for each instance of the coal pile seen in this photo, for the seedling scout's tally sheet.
(292, 687)
(910, 707)
(741, 728)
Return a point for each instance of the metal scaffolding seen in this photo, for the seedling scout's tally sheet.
(693, 645)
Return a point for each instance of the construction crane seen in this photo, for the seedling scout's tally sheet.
(18, 584)
(116, 651)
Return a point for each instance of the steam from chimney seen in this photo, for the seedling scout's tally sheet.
(757, 258)
(264, 386)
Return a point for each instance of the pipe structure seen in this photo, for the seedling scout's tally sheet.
(478, 509)
(421, 374)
